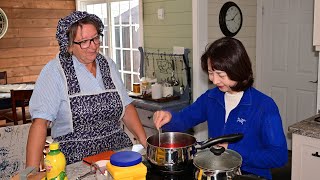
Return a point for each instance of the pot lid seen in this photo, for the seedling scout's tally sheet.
(207, 160)
(125, 158)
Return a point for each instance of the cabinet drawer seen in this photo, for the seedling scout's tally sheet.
(146, 117)
(305, 158)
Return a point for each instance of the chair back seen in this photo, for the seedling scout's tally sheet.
(20, 98)
(13, 149)
(3, 77)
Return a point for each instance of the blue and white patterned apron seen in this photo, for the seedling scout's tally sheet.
(96, 117)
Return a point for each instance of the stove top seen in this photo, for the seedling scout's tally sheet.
(155, 174)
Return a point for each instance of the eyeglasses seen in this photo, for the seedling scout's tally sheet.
(86, 43)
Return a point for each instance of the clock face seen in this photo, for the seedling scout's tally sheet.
(230, 19)
(3, 23)
(233, 19)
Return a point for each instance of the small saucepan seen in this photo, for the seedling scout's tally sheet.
(177, 150)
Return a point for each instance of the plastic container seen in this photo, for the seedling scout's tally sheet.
(126, 165)
(55, 163)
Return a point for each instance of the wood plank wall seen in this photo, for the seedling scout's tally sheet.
(30, 40)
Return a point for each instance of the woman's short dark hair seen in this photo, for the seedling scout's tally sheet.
(74, 27)
(229, 55)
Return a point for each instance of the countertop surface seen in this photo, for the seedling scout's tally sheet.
(308, 127)
(79, 168)
(155, 106)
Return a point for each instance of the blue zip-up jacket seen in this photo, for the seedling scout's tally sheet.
(257, 116)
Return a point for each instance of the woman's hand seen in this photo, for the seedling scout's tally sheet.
(161, 118)
(225, 145)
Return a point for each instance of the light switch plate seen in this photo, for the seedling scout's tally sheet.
(161, 13)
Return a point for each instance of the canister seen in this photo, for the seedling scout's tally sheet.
(126, 165)
(156, 91)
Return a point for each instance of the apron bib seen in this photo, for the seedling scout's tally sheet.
(96, 117)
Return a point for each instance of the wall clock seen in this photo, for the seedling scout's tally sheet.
(3, 23)
(230, 19)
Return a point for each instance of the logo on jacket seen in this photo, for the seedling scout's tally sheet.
(241, 120)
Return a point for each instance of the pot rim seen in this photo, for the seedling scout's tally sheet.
(181, 147)
(205, 170)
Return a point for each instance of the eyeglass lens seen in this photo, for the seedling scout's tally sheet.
(86, 43)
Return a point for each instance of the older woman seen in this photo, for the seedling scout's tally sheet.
(82, 96)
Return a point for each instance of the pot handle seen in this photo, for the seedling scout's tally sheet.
(222, 139)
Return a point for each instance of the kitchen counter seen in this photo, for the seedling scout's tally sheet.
(308, 127)
(305, 149)
(79, 168)
(155, 106)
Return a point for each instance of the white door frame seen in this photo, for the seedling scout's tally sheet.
(200, 40)
(259, 45)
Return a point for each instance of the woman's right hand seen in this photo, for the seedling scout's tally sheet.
(161, 118)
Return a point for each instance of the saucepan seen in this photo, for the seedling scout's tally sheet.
(177, 150)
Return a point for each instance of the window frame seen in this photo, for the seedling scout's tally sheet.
(110, 46)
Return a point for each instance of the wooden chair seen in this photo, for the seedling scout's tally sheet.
(19, 98)
(3, 77)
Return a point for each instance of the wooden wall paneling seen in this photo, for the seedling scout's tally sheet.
(24, 52)
(30, 23)
(38, 4)
(27, 42)
(30, 41)
(24, 61)
(35, 13)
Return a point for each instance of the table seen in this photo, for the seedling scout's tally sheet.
(5, 100)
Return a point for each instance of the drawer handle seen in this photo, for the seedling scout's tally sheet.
(316, 154)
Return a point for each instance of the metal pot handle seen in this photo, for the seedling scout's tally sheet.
(222, 139)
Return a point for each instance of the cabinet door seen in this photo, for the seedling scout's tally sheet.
(305, 158)
(146, 117)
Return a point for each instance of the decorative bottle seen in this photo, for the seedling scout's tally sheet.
(55, 163)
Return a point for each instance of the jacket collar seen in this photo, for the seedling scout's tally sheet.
(246, 99)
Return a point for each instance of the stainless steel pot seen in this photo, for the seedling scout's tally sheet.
(177, 150)
(217, 163)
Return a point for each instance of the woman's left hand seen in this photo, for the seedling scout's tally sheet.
(225, 145)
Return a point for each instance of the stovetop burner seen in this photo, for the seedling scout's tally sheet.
(157, 174)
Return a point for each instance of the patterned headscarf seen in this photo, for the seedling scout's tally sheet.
(65, 23)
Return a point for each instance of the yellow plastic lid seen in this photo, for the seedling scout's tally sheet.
(135, 172)
(54, 146)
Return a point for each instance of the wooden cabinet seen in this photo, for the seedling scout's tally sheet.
(305, 158)
(316, 25)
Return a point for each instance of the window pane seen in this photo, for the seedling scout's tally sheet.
(118, 59)
(135, 37)
(135, 11)
(115, 12)
(125, 12)
(105, 37)
(127, 82)
(136, 61)
(126, 37)
(126, 60)
(136, 79)
(117, 36)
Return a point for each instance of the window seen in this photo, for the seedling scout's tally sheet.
(122, 21)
